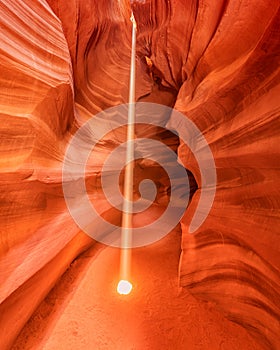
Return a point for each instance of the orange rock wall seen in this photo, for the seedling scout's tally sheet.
(222, 57)
(47, 79)
(218, 63)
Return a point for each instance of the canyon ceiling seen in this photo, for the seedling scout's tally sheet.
(217, 62)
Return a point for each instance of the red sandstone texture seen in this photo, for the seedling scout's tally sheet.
(217, 63)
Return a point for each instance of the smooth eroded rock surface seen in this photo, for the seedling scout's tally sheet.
(217, 63)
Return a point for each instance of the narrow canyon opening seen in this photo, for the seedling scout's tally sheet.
(207, 91)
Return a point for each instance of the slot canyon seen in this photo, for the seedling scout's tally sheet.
(207, 86)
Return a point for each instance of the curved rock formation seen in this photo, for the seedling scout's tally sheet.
(39, 63)
(217, 63)
(226, 71)
(37, 110)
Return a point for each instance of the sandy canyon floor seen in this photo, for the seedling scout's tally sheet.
(84, 311)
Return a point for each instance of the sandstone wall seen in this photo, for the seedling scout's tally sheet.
(216, 62)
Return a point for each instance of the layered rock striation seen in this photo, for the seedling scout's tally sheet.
(215, 62)
(223, 60)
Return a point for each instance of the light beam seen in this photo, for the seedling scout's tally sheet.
(126, 235)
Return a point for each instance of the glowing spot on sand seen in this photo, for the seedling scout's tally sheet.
(124, 287)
